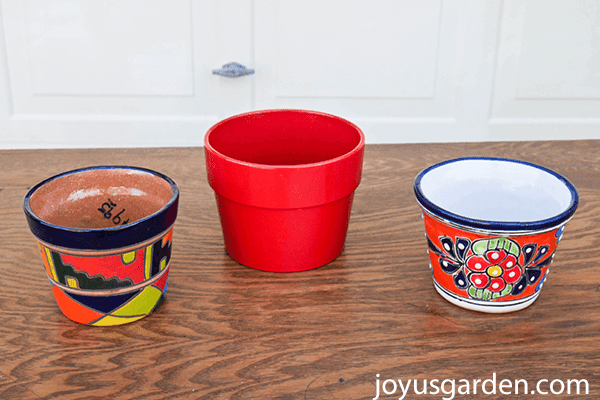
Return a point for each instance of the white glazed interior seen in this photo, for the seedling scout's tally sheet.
(496, 190)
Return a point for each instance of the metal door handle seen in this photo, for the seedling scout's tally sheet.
(233, 70)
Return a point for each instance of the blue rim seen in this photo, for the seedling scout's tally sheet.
(497, 225)
(104, 238)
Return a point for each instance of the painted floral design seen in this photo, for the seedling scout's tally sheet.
(488, 269)
(493, 268)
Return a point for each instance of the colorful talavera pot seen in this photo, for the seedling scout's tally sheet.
(105, 235)
(284, 182)
(492, 227)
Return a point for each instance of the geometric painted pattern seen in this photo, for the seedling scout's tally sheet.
(115, 309)
(110, 289)
(112, 310)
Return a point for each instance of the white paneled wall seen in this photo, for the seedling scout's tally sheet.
(547, 80)
(119, 73)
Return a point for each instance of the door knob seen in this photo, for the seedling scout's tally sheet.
(233, 70)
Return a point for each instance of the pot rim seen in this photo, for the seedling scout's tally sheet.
(356, 149)
(102, 238)
(490, 225)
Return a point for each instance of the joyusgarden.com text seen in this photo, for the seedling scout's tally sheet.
(448, 389)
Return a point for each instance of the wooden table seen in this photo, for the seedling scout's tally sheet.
(230, 332)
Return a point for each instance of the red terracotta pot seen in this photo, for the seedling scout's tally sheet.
(284, 182)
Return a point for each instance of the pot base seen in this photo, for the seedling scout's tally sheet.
(285, 268)
(495, 307)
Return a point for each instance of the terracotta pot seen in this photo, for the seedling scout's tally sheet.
(284, 182)
(105, 237)
(492, 227)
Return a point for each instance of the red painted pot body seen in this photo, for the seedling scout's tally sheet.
(284, 182)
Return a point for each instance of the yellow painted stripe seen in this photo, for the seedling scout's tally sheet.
(44, 258)
(163, 263)
(110, 320)
(148, 262)
(141, 304)
(51, 264)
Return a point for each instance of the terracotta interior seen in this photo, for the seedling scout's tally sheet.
(284, 138)
(101, 198)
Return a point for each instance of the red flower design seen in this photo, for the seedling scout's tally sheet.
(493, 270)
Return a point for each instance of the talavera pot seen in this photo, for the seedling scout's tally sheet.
(492, 226)
(105, 236)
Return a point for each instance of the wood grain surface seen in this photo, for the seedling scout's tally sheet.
(229, 332)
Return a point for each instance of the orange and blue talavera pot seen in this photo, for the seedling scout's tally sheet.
(105, 236)
(492, 228)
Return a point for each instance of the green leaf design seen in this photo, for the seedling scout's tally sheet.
(472, 291)
(485, 294)
(510, 246)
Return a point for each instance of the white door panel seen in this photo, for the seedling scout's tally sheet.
(382, 64)
(127, 48)
(121, 72)
(363, 49)
(547, 82)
